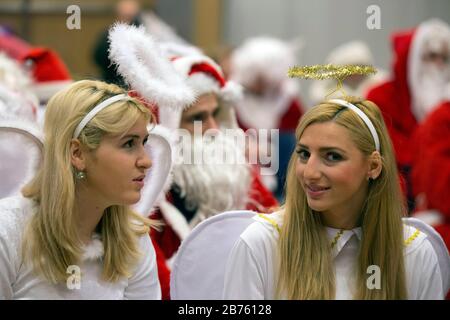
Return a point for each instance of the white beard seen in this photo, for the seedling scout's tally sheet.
(213, 187)
(429, 90)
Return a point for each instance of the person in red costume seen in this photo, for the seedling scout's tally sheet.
(201, 190)
(271, 99)
(421, 71)
(430, 172)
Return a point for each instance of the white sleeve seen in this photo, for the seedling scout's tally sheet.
(425, 278)
(7, 270)
(243, 275)
(11, 224)
(144, 283)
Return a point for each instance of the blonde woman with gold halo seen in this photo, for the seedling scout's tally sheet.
(340, 233)
(71, 234)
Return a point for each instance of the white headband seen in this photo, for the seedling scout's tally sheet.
(363, 116)
(91, 114)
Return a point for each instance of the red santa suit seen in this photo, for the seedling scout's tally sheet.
(271, 99)
(431, 167)
(178, 216)
(395, 97)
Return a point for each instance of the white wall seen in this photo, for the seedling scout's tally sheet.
(324, 24)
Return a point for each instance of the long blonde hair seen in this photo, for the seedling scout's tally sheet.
(306, 264)
(53, 241)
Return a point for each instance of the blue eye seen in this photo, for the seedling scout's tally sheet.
(303, 154)
(333, 157)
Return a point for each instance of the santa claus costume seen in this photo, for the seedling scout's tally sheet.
(46, 69)
(431, 170)
(271, 99)
(414, 89)
(200, 191)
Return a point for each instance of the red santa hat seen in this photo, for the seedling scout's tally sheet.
(204, 76)
(49, 72)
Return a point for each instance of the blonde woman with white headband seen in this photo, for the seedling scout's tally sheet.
(340, 233)
(77, 231)
(71, 234)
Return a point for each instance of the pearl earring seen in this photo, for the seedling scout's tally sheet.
(80, 175)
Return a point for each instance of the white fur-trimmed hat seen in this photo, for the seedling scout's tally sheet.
(204, 76)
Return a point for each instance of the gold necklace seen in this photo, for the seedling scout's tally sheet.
(336, 238)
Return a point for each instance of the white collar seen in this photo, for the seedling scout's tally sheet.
(340, 237)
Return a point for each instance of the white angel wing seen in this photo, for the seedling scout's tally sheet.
(199, 267)
(439, 247)
(158, 180)
(21, 149)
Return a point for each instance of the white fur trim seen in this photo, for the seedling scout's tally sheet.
(45, 90)
(143, 66)
(158, 179)
(432, 32)
(15, 104)
(267, 57)
(94, 250)
(175, 219)
(232, 92)
(354, 52)
(203, 83)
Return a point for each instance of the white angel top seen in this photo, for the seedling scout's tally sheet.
(252, 266)
(18, 281)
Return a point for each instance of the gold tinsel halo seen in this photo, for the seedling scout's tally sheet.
(330, 71)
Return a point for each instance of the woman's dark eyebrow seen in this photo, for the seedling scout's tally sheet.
(324, 149)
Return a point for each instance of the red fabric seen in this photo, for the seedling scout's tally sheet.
(47, 66)
(163, 271)
(394, 99)
(12, 45)
(431, 162)
(167, 239)
(290, 119)
(209, 70)
(262, 199)
(431, 166)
